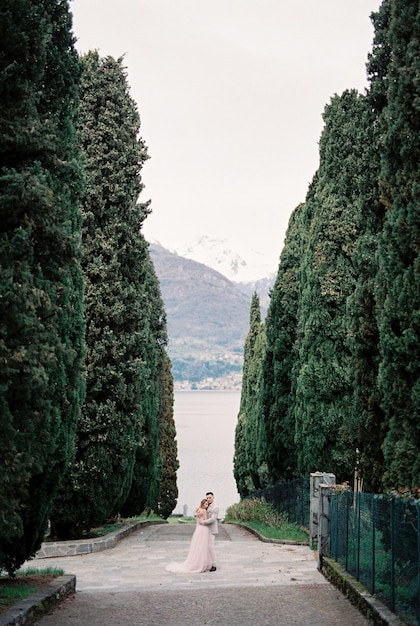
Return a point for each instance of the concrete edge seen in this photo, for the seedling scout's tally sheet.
(285, 542)
(31, 609)
(87, 546)
(376, 612)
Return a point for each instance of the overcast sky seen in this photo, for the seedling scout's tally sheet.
(231, 95)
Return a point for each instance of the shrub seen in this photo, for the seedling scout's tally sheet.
(256, 510)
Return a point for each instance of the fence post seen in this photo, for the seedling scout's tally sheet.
(316, 478)
(324, 522)
(418, 563)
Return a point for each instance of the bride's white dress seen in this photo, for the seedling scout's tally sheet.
(199, 557)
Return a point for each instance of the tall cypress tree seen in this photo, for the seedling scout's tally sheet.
(355, 333)
(114, 260)
(324, 434)
(249, 470)
(369, 421)
(398, 279)
(168, 449)
(278, 432)
(148, 469)
(41, 337)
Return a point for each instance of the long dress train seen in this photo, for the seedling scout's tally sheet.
(199, 555)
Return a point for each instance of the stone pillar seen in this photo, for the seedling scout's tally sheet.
(316, 479)
(324, 522)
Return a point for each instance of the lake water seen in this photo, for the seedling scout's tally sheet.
(205, 423)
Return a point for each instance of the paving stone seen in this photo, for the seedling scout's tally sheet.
(256, 584)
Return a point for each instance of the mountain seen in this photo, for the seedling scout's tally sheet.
(208, 313)
(240, 264)
(262, 287)
(207, 317)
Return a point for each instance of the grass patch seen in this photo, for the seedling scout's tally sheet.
(24, 584)
(285, 532)
(45, 571)
(100, 531)
(106, 529)
(260, 515)
(175, 519)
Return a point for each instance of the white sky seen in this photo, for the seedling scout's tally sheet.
(230, 94)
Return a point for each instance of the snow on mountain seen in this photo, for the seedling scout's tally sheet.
(242, 266)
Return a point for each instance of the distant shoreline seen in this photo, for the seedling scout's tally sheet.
(230, 383)
(233, 390)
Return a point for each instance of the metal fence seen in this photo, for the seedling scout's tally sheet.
(291, 498)
(376, 538)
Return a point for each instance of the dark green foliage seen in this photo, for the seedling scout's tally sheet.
(145, 486)
(398, 279)
(119, 415)
(168, 450)
(41, 337)
(341, 371)
(379, 59)
(309, 422)
(280, 327)
(368, 419)
(249, 468)
(325, 437)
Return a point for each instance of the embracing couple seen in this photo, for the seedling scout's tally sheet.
(201, 555)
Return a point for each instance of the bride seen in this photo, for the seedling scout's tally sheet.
(199, 556)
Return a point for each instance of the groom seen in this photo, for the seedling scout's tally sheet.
(212, 513)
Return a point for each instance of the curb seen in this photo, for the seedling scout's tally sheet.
(376, 612)
(285, 542)
(31, 609)
(50, 549)
(38, 604)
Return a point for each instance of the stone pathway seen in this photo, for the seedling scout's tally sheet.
(256, 584)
